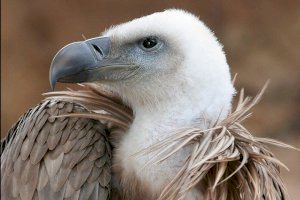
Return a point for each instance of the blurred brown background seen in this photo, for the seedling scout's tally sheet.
(261, 39)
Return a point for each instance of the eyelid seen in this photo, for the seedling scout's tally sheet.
(144, 38)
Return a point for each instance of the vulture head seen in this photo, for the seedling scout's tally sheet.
(164, 59)
(168, 67)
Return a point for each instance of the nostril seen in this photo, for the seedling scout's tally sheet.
(97, 49)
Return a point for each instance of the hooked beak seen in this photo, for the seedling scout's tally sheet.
(84, 61)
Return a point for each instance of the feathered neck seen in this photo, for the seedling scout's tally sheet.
(228, 162)
(179, 98)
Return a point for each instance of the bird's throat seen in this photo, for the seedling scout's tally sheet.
(147, 129)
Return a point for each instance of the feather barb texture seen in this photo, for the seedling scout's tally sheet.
(227, 161)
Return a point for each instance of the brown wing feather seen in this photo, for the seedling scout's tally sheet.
(56, 158)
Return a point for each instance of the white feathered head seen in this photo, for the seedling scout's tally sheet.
(165, 57)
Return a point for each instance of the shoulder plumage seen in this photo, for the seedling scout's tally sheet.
(48, 157)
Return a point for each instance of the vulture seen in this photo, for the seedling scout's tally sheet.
(153, 119)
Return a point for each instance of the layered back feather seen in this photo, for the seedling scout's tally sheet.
(55, 151)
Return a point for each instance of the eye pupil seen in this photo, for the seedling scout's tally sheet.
(149, 43)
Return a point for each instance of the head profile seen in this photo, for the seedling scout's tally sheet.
(160, 57)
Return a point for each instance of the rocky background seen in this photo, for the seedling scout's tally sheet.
(261, 40)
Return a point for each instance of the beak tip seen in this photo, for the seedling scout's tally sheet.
(52, 87)
(52, 79)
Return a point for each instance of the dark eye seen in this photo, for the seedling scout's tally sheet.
(149, 43)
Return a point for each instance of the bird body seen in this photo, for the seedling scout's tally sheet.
(166, 74)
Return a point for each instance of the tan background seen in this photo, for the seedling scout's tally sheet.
(261, 39)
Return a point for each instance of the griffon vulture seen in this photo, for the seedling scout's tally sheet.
(153, 121)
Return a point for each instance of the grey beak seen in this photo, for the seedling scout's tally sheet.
(76, 62)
